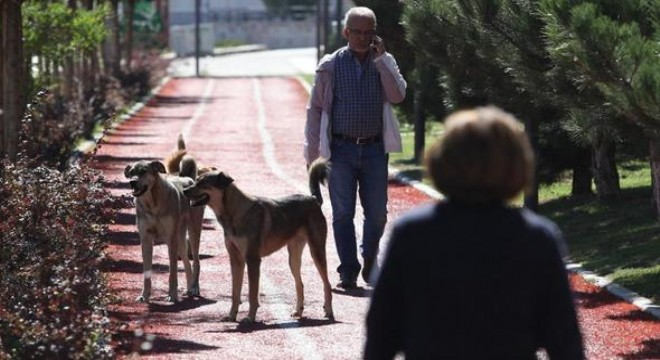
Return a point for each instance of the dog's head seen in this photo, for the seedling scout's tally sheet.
(142, 175)
(208, 185)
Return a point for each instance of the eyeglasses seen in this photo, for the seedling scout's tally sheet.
(366, 33)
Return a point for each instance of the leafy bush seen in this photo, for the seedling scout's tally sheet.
(148, 69)
(52, 291)
(48, 131)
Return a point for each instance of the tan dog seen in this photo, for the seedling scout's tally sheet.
(164, 215)
(178, 161)
(256, 227)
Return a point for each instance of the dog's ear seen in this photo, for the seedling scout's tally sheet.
(158, 167)
(223, 180)
(127, 171)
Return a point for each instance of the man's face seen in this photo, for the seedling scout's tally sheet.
(359, 32)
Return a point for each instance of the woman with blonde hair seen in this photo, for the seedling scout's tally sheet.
(470, 277)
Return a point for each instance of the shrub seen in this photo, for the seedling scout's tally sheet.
(149, 68)
(52, 291)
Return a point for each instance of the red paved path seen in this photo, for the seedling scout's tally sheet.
(253, 130)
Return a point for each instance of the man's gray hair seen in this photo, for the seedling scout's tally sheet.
(359, 11)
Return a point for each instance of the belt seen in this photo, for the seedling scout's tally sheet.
(358, 140)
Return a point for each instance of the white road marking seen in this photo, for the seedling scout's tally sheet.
(304, 343)
(199, 111)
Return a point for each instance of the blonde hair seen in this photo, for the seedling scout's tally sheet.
(359, 11)
(483, 156)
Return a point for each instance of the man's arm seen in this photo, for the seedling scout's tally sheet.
(391, 79)
(313, 122)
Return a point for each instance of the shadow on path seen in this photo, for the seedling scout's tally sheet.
(293, 324)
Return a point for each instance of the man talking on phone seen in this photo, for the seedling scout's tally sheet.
(350, 122)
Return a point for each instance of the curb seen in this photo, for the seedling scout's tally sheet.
(632, 297)
(219, 51)
(629, 296)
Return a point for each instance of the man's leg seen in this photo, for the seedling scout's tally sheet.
(373, 197)
(342, 187)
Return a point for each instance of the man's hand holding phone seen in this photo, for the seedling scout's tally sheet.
(377, 45)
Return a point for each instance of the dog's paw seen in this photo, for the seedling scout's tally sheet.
(172, 299)
(297, 313)
(142, 299)
(192, 292)
(247, 320)
(329, 314)
(228, 318)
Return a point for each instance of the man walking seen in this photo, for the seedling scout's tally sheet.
(351, 123)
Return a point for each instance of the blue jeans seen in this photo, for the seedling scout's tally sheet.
(362, 170)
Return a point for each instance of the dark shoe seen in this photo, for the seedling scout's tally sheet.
(347, 284)
(366, 269)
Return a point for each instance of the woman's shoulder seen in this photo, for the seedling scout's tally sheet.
(422, 214)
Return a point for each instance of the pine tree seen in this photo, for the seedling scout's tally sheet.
(613, 46)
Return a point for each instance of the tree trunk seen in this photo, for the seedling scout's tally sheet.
(2, 102)
(130, 11)
(68, 73)
(582, 174)
(606, 175)
(12, 74)
(420, 126)
(654, 151)
(161, 8)
(531, 200)
(116, 38)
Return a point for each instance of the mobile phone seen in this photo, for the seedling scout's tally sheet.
(374, 44)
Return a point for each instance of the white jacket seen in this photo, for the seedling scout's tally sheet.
(317, 127)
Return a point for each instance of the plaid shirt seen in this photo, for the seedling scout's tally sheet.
(357, 109)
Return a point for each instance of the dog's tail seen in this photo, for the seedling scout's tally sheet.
(318, 174)
(174, 159)
(188, 167)
(180, 144)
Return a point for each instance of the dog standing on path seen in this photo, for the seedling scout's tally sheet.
(164, 215)
(255, 227)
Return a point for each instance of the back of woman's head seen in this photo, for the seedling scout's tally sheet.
(483, 156)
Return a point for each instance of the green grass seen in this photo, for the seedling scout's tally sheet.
(617, 239)
(404, 161)
(620, 238)
(229, 43)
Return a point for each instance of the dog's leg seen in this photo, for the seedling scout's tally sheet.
(237, 270)
(147, 244)
(194, 235)
(173, 250)
(316, 241)
(295, 249)
(183, 254)
(253, 268)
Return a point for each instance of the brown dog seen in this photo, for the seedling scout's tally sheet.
(256, 227)
(164, 215)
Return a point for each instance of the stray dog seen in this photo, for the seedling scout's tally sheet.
(179, 162)
(164, 215)
(256, 227)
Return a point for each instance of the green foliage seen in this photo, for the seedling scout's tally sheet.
(614, 47)
(54, 31)
(89, 30)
